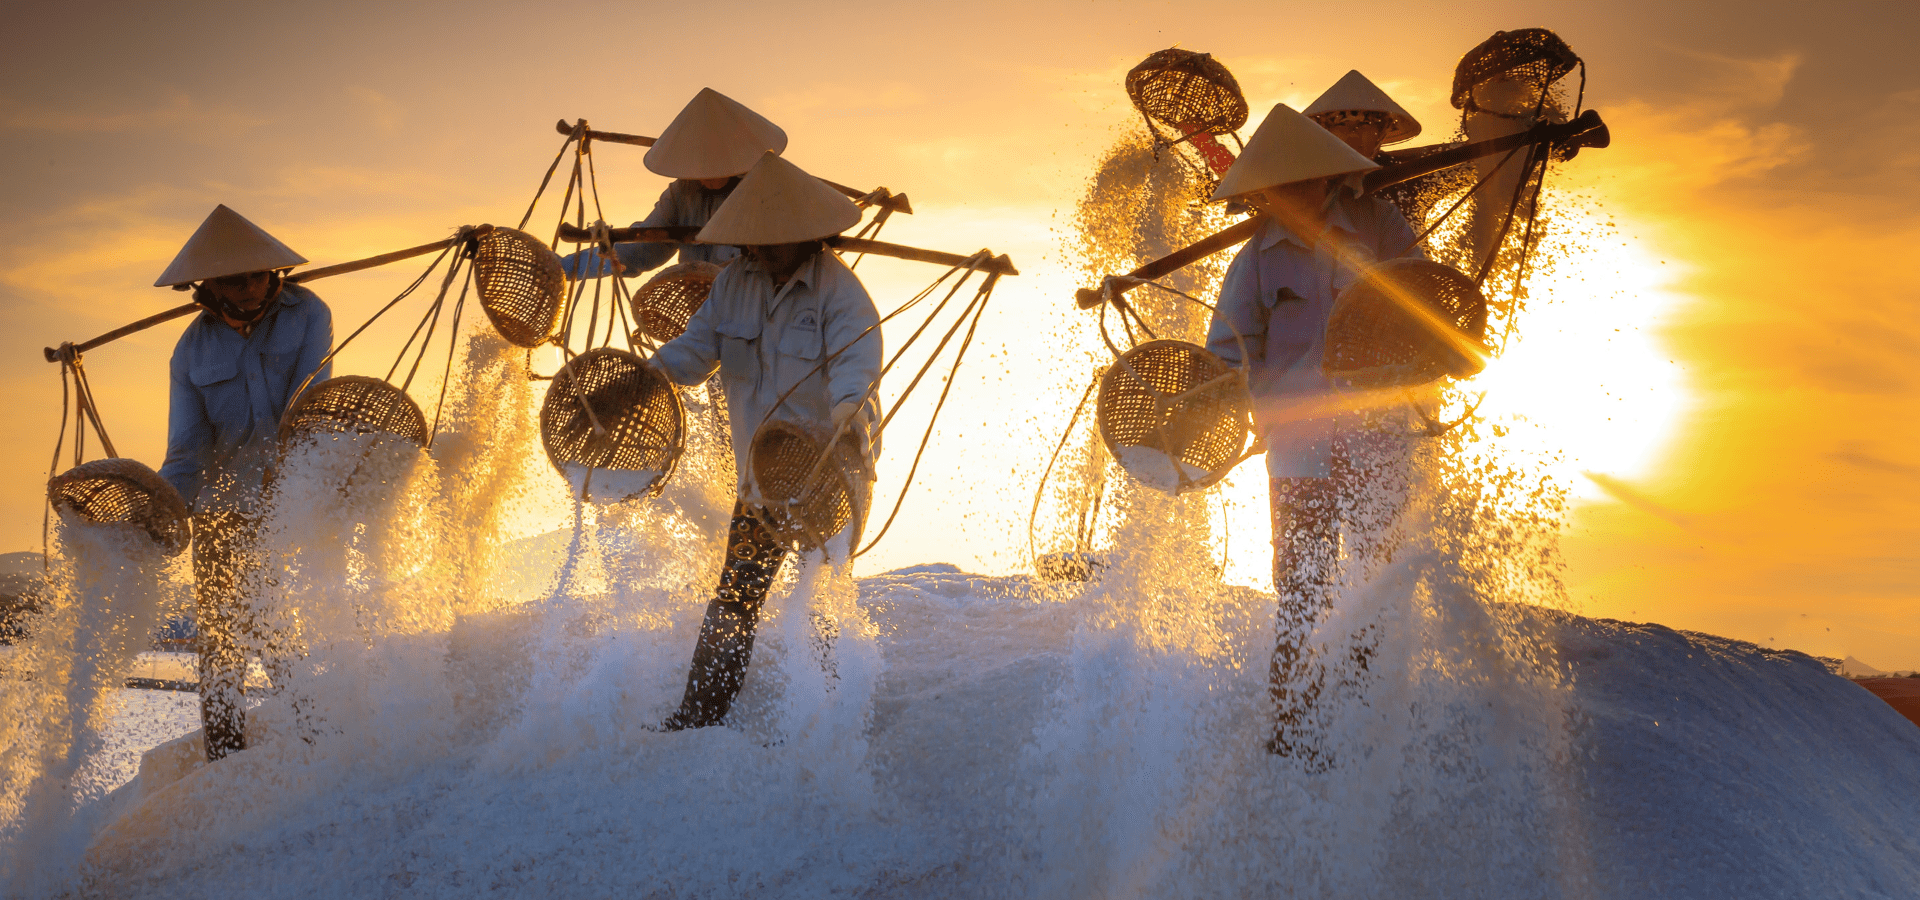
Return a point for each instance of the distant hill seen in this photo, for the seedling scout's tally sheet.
(25, 562)
(20, 582)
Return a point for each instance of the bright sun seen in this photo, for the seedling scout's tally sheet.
(1584, 386)
(1586, 380)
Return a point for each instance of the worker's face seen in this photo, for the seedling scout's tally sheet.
(246, 291)
(1301, 200)
(1363, 137)
(782, 260)
(714, 184)
(1363, 133)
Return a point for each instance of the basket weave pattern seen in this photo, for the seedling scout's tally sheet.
(124, 492)
(642, 426)
(1535, 56)
(667, 302)
(1386, 328)
(807, 513)
(353, 404)
(521, 285)
(1179, 399)
(1189, 91)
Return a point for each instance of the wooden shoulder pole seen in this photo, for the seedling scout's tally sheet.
(54, 354)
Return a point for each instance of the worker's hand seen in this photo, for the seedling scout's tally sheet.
(844, 411)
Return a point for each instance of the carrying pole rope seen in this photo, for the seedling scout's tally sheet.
(875, 387)
(621, 294)
(968, 267)
(53, 471)
(579, 131)
(404, 294)
(986, 290)
(1033, 515)
(453, 345)
(431, 322)
(84, 396)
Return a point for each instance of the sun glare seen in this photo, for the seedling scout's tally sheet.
(1585, 384)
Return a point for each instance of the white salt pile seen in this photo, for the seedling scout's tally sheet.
(103, 602)
(1016, 748)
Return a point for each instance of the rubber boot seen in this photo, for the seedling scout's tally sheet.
(720, 659)
(222, 664)
(1306, 540)
(725, 646)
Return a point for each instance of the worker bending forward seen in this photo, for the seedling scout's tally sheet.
(234, 372)
(1326, 453)
(794, 337)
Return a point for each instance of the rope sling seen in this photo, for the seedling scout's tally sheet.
(608, 409)
(119, 491)
(516, 280)
(112, 491)
(1403, 323)
(807, 486)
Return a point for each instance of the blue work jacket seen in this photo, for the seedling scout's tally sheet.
(229, 391)
(1275, 303)
(791, 353)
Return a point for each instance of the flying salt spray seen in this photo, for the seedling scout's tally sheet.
(1441, 720)
(104, 600)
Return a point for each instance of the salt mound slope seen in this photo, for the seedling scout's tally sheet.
(1717, 768)
(995, 766)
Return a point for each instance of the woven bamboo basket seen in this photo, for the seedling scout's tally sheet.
(1188, 91)
(124, 492)
(610, 411)
(1532, 56)
(353, 404)
(1181, 401)
(666, 303)
(801, 500)
(521, 285)
(1406, 322)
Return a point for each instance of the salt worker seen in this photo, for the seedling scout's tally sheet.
(1324, 454)
(705, 149)
(234, 372)
(1503, 86)
(1358, 112)
(794, 337)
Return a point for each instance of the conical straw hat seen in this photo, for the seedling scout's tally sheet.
(227, 244)
(778, 203)
(1289, 147)
(1354, 92)
(715, 136)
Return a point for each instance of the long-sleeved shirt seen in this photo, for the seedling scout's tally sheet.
(228, 393)
(764, 341)
(684, 202)
(1276, 298)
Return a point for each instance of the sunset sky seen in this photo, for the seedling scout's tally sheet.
(1729, 360)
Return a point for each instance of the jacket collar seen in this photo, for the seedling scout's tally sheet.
(1273, 232)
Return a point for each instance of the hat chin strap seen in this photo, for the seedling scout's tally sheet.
(206, 298)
